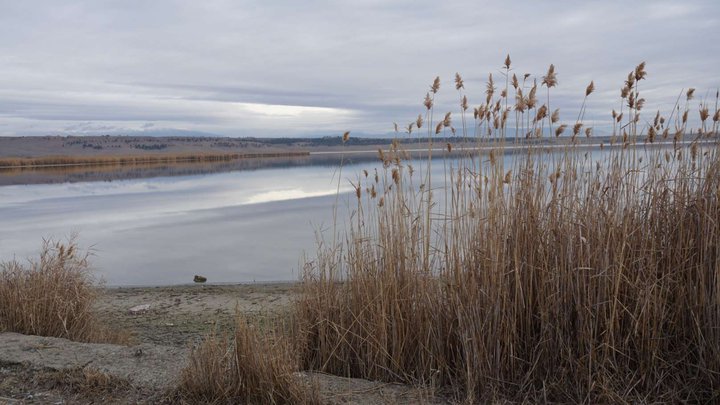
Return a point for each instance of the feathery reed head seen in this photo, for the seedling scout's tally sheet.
(630, 81)
(640, 104)
(555, 117)
(550, 78)
(447, 120)
(428, 102)
(559, 130)
(624, 92)
(459, 84)
(541, 113)
(436, 85)
(532, 97)
(704, 113)
(590, 88)
(640, 72)
(490, 88)
(577, 127)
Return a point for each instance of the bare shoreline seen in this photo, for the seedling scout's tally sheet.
(180, 315)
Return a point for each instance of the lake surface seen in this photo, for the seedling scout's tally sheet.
(230, 224)
(237, 226)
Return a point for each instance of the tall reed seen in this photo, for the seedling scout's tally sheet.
(544, 277)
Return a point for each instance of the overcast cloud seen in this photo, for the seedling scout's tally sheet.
(291, 68)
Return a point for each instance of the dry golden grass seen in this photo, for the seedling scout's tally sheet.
(551, 277)
(45, 161)
(53, 296)
(248, 368)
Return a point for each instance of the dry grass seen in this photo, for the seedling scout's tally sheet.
(249, 368)
(85, 385)
(98, 160)
(549, 277)
(53, 296)
(86, 382)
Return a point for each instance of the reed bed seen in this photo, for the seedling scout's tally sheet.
(54, 296)
(545, 278)
(97, 160)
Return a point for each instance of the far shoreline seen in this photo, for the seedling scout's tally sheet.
(27, 153)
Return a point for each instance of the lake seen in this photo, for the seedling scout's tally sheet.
(248, 222)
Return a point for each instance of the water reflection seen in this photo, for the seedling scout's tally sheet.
(75, 174)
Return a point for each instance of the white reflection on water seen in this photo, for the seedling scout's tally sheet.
(290, 194)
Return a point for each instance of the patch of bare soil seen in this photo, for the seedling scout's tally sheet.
(165, 324)
(23, 384)
(181, 315)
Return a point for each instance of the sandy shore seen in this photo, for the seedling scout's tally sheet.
(181, 315)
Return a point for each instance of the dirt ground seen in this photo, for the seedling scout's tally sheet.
(36, 370)
(181, 315)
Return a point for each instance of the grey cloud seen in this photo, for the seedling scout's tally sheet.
(188, 63)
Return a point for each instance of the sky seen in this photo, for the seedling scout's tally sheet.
(316, 68)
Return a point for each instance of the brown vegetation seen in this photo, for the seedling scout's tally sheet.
(46, 161)
(53, 296)
(554, 278)
(249, 368)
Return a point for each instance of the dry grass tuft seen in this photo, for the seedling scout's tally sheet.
(53, 296)
(249, 368)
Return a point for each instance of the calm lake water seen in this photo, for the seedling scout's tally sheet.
(230, 224)
(237, 226)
